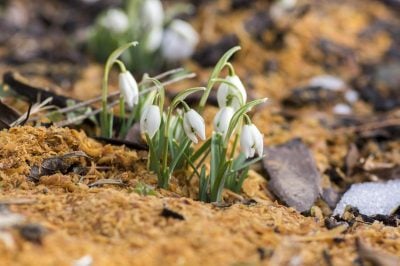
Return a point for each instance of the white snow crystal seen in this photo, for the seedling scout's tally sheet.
(328, 82)
(371, 198)
(351, 96)
(342, 109)
(86, 260)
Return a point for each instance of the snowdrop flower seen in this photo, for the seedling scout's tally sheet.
(152, 13)
(232, 96)
(222, 119)
(150, 120)
(193, 124)
(115, 20)
(179, 41)
(129, 88)
(251, 141)
(154, 39)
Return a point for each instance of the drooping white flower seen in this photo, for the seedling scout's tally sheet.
(179, 41)
(115, 20)
(129, 88)
(193, 124)
(150, 120)
(251, 141)
(154, 39)
(228, 95)
(152, 13)
(222, 119)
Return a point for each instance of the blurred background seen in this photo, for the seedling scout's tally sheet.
(347, 46)
(339, 57)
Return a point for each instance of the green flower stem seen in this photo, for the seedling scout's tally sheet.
(121, 65)
(217, 70)
(231, 70)
(106, 116)
(122, 116)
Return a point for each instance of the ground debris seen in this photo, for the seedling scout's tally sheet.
(375, 256)
(168, 213)
(55, 164)
(33, 232)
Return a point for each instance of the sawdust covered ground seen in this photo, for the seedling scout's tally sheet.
(116, 226)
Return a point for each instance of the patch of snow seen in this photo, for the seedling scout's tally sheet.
(351, 96)
(84, 261)
(328, 82)
(342, 109)
(371, 198)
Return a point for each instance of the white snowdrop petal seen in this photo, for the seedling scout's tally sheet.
(222, 94)
(129, 88)
(235, 80)
(193, 125)
(126, 92)
(187, 127)
(258, 140)
(222, 119)
(150, 120)
(153, 13)
(246, 141)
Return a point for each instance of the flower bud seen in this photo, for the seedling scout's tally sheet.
(154, 39)
(129, 88)
(251, 141)
(179, 41)
(222, 119)
(228, 95)
(115, 20)
(150, 120)
(193, 124)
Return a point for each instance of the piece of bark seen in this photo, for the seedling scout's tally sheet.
(294, 175)
(375, 256)
(352, 158)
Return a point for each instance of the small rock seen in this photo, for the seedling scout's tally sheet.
(294, 175)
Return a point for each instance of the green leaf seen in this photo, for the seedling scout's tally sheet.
(179, 155)
(114, 55)
(203, 185)
(215, 157)
(206, 145)
(237, 186)
(243, 164)
(183, 94)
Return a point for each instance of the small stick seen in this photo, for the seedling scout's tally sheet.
(107, 182)
(369, 126)
(117, 93)
(83, 117)
(20, 201)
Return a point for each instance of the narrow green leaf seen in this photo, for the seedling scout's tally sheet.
(204, 147)
(243, 164)
(179, 155)
(114, 55)
(181, 96)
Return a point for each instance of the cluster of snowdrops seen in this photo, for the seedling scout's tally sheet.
(171, 130)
